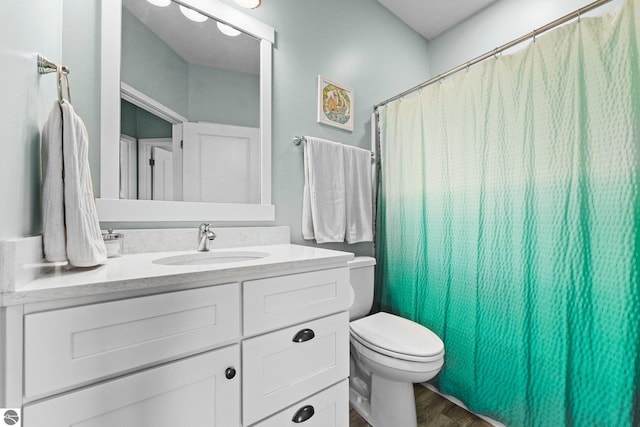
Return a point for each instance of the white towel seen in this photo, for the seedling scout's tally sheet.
(53, 237)
(323, 207)
(85, 246)
(71, 230)
(337, 195)
(358, 192)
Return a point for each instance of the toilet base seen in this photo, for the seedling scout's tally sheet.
(392, 403)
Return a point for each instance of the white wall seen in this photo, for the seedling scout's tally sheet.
(27, 27)
(499, 23)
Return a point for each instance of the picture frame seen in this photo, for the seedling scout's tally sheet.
(335, 104)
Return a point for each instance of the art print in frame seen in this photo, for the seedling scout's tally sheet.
(335, 104)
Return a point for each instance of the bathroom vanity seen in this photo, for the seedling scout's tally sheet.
(262, 341)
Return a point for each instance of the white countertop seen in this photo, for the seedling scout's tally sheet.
(138, 272)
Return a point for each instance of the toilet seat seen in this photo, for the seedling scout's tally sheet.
(397, 337)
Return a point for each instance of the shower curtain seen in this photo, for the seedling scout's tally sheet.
(509, 224)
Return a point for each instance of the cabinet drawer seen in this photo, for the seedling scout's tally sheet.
(278, 371)
(78, 345)
(280, 301)
(330, 408)
(190, 392)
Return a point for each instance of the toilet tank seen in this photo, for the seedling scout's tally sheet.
(362, 284)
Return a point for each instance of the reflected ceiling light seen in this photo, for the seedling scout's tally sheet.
(192, 14)
(227, 30)
(160, 3)
(249, 4)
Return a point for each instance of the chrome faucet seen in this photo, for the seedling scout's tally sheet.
(205, 235)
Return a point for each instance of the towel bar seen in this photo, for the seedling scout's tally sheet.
(297, 140)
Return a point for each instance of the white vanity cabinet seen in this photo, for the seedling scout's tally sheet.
(66, 349)
(327, 408)
(71, 347)
(309, 354)
(191, 392)
(260, 351)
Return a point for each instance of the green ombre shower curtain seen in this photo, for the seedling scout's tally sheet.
(509, 224)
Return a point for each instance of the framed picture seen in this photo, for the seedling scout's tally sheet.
(335, 104)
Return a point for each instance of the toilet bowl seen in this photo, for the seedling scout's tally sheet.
(388, 355)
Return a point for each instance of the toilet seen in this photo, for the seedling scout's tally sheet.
(388, 355)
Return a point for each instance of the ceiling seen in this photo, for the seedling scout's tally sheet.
(432, 17)
(198, 43)
(203, 44)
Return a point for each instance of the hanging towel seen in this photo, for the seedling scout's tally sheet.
(71, 231)
(53, 235)
(85, 246)
(323, 207)
(358, 193)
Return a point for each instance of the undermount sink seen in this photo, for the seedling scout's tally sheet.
(205, 258)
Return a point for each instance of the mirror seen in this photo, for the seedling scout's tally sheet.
(188, 134)
(179, 68)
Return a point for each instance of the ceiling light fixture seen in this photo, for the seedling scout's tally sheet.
(249, 4)
(160, 3)
(227, 30)
(192, 14)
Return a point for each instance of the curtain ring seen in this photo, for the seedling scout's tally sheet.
(534, 36)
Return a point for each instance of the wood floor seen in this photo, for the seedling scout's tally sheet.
(433, 410)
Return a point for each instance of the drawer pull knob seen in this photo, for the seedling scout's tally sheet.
(230, 373)
(304, 335)
(303, 414)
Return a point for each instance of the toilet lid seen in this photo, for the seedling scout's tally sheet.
(397, 335)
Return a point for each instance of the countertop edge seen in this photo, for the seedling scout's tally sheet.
(159, 283)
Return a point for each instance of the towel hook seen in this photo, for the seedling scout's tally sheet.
(45, 66)
(62, 72)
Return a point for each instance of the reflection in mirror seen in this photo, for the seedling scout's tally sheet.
(190, 108)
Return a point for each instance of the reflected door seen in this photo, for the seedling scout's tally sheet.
(162, 174)
(220, 163)
(128, 168)
(155, 169)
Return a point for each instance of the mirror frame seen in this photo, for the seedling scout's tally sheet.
(113, 209)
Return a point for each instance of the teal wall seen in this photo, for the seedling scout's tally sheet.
(139, 123)
(499, 23)
(196, 92)
(144, 55)
(221, 96)
(27, 27)
(357, 43)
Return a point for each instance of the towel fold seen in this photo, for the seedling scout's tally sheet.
(358, 192)
(337, 200)
(53, 238)
(71, 228)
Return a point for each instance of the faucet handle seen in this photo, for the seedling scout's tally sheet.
(204, 227)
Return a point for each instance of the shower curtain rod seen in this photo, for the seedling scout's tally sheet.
(575, 14)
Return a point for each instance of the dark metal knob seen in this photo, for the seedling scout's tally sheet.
(304, 335)
(303, 414)
(230, 373)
